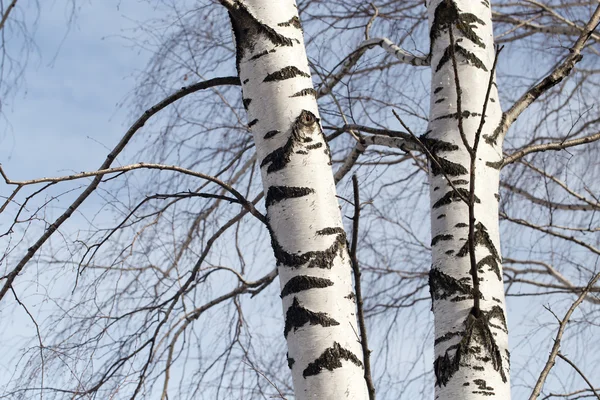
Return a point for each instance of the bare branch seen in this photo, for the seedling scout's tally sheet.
(371, 20)
(357, 288)
(580, 374)
(556, 146)
(556, 274)
(556, 347)
(12, 5)
(105, 165)
(556, 76)
(352, 59)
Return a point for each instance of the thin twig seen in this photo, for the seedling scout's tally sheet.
(431, 157)
(358, 291)
(556, 347)
(39, 337)
(10, 277)
(572, 364)
(281, 396)
(556, 76)
(371, 20)
(556, 146)
(9, 198)
(473, 155)
(561, 18)
(6, 13)
(551, 232)
(348, 62)
(459, 116)
(240, 198)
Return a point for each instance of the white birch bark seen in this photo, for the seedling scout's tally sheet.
(306, 229)
(471, 340)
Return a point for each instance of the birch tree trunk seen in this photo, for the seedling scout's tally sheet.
(307, 235)
(471, 337)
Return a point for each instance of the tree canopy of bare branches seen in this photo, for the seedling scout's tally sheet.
(156, 270)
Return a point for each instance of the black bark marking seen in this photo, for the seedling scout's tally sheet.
(303, 152)
(438, 101)
(438, 89)
(294, 21)
(314, 146)
(477, 337)
(443, 286)
(301, 283)
(305, 124)
(447, 336)
(315, 259)
(464, 114)
(327, 152)
(270, 134)
(246, 30)
(305, 92)
(446, 16)
(297, 316)
(492, 262)
(484, 389)
(466, 23)
(466, 54)
(497, 196)
(436, 145)
(279, 157)
(331, 231)
(441, 216)
(262, 54)
(290, 362)
(494, 164)
(252, 123)
(288, 72)
(330, 360)
(276, 194)
(498, 313)
(460, 182)
(246, 81)
(461, 225)
(454, 195)
(482, 238)
(492, 139)
(448, 167)
(438, 238)
(246, 103)
(351, 297)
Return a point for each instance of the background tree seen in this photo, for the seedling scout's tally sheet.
(159, 291)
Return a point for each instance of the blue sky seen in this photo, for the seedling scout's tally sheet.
(69, 108)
